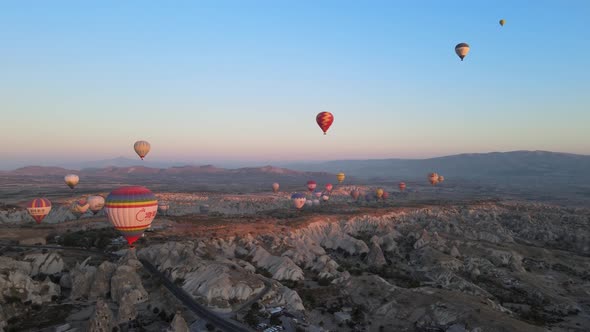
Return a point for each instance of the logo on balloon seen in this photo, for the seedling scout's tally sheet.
(141, 215)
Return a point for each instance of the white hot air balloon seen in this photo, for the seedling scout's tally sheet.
(96, 203)
(71, 180)
(142, 148)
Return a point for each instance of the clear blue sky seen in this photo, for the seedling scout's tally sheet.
(244, 80)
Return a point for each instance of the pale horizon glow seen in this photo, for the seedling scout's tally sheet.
(243, 81)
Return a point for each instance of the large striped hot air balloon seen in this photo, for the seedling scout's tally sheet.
(462, 49)
(71, 180)
(39, 208)
(142, 148)
(324, 120)
(311, 184)
(96, 203)
(275, 187)
(131, 210)
(298, 200)
(402, 186)
(340, 177)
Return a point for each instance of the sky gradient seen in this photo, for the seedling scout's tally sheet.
(207, 81)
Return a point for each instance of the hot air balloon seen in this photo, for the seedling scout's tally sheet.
(325, 197)
(329, 187)
(163, 207)
(131, 210)
(462, 49)
(324, 120)
(379, 193)
(96, 203)
(385, 195)
(142, 148)
(368, 197)
(317, 193)
(340, 177)
(308, 203)
(440, 179)
(71, 180)
(502, 21)
(298, 200)
(275, 187)
(39, 208)
(402, 186)
(80, 207)
(433, 178)
(355, 193)
(311, 185)
(316, 202)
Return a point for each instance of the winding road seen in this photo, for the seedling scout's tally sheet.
(201, 311)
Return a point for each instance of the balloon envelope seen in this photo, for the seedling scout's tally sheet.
(142, 148)
(433, 178)
(39, 208)
(402, 186)
(462, 49)
(311, 185)
(96, 203)
(71, 180)
(131, 210)
(329, 187)
(379, 193)
(355, 193)
(324, 120)
(340, 177)
(275, 187)
(385, 195)
(502, 22)
(298, 200)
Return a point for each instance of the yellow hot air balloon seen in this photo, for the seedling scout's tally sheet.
(502, 21)
(462, 49)
(340, 177)
(379, 193)
(71, 180)
(142, 148)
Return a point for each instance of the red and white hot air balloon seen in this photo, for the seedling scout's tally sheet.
(311, 185)
(131, 210)
(324, 120)
(329, 187)
(402, 186)
(39, 208)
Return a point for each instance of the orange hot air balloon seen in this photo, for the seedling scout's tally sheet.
(275, 187)
(402, 186)
(131, 210)
(39, 208)
(340, 177)
(433, 178)
(324, 120)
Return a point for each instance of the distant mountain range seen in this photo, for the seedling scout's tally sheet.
(507, 165)
(466, 166)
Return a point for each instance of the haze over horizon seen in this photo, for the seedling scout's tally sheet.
(232, 82)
